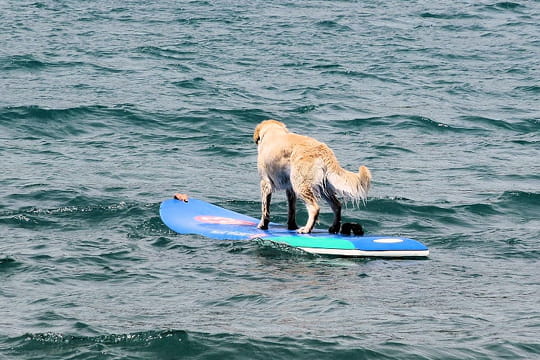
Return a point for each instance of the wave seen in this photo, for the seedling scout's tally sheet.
(76, 208)
(448, 16)
(362, 75)
(181, 52)
(31, 63)
(37, 113)
(485, 123)
(58, 346)
(8, 262)
(333, 25)
(535, 89)
(197, 345)
(403, 122)
(192, 84)
(471, 125)
(21, 62)
(36, 122)
(505, 6)
(526, 204)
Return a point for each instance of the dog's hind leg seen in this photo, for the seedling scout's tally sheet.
(312, 208)
(334, 203)
(266, 197)
(291, 199)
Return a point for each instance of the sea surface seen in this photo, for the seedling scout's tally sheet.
(107, 108)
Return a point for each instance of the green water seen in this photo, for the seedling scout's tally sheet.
(109, 107)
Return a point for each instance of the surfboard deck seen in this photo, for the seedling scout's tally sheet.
(202, 218)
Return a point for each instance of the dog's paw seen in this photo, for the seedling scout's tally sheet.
(292, 226)
(303, 230)
(345, 229)
(262, 226)
(334, 229)
(355, 228)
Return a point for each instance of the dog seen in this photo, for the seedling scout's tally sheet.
(305, 168)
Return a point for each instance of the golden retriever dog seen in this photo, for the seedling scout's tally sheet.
(305, 168)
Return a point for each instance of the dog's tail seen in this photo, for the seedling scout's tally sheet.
(350, 186)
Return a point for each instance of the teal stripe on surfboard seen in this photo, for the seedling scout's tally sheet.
(312, 242)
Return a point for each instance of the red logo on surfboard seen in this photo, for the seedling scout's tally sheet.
(222, 220)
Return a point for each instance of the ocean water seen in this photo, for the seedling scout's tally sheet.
(109, 107)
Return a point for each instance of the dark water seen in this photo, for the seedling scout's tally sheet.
(109, 107)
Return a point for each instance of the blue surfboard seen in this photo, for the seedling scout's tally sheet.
(202, 218)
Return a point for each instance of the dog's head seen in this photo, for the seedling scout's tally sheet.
(264, 126)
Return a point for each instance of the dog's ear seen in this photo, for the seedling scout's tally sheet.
(256, 134)
(262, 126)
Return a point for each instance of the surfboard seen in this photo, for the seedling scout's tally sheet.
(202, 218)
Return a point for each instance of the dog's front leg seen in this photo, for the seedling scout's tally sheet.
(266, 197)
(291, 198)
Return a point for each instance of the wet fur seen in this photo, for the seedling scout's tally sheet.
(305, 168)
